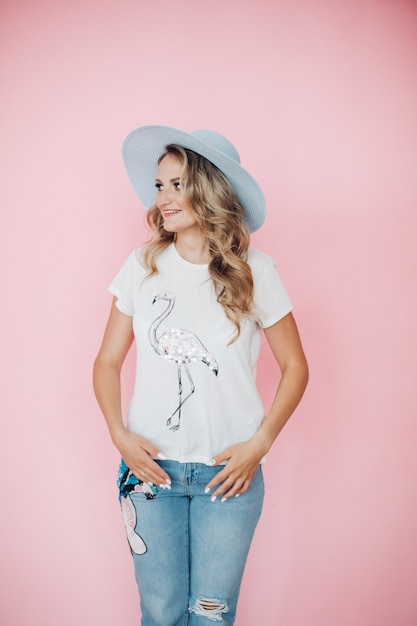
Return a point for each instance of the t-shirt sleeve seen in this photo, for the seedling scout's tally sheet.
(271, 299)
(123, 285)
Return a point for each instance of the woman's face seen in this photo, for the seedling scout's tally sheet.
(178, 218)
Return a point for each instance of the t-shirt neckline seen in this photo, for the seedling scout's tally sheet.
(194, 266)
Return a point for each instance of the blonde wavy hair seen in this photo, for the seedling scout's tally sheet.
(220, 217)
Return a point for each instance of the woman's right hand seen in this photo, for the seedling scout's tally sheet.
(138, 453)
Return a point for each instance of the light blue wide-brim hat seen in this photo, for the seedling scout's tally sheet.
(143, 147)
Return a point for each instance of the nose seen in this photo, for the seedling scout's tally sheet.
(163, 197)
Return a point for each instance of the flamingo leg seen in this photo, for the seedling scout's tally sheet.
(187, 371)
(178, 409)
(180, 399)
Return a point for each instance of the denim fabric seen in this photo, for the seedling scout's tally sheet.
(189, 553)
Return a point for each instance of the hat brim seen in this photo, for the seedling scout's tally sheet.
(143, 147)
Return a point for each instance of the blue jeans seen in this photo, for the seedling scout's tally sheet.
(189, 553)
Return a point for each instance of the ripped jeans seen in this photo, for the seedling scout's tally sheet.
(189, 553)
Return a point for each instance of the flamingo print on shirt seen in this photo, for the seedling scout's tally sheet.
(181, 347)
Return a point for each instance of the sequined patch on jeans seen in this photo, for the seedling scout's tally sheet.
(128, 483)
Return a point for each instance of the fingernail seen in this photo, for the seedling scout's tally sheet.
(163, 486)
(212, 461)
(237, 495)
(161, 456)
(207, 490)
(213, 498)
(223, 500)
(168, 481)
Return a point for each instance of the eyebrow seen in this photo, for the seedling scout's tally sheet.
(172, 180)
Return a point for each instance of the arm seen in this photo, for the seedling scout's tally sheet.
(135, 450)
(243, 458)
(284, 341)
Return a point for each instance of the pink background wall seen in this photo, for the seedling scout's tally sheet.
(320, 97)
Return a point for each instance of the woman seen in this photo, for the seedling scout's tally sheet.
(195, 298)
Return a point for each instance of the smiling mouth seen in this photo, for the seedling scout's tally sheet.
(171, 212)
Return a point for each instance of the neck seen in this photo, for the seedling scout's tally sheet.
(192, 249)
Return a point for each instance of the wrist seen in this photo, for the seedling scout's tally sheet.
(263, 442)
(118, 434)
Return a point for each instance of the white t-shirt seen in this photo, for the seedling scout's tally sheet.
(194, 394)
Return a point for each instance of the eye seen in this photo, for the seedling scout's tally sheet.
(158, 186)
(177, 185)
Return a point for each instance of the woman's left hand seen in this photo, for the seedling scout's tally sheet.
(242, 461)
